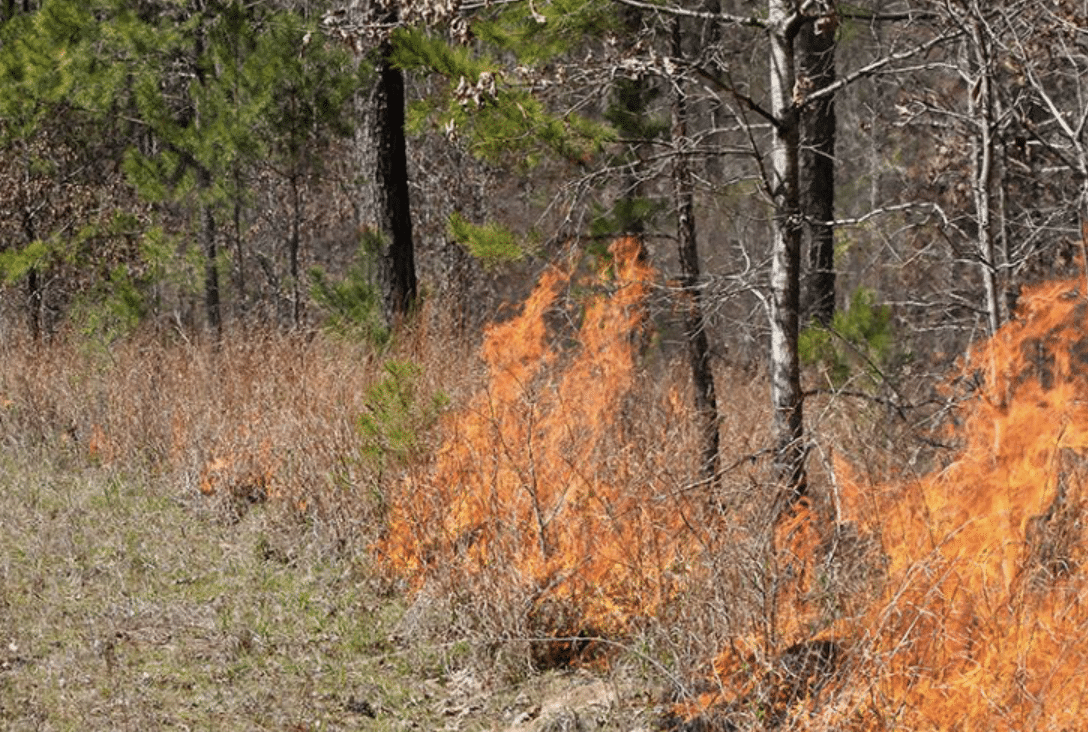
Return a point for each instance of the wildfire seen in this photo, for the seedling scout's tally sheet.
(523, 480)
(984, 605)
(982, 623)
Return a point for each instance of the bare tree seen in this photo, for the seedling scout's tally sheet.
(1045, 46)
(816, 70)
(783, 24)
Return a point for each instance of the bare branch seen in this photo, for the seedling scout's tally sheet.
(750, 21)
(875, 66)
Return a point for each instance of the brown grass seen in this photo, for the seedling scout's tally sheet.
(160, 456)
(263, 415)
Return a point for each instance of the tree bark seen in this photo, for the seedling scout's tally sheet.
(816, 70)
(981, 110)
(212, 305)
(34, 296)
(786, 398)
(34, 304)
(293, 245)
(631, 97)
(706, 403)
(384, 210)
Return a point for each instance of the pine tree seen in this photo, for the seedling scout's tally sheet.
(200, 94)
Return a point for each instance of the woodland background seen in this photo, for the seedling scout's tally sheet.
(628, 335)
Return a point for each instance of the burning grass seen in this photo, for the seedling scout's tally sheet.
(981, 620)
(562, 503)
(534, 479)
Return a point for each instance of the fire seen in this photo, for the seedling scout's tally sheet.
(524, 480)
(984, 606)
(979, 619)
(982, 622)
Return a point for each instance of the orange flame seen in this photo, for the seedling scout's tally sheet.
(522, 481)
(967, 636)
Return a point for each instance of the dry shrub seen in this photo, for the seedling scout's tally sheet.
(562, 506)
(264, 415)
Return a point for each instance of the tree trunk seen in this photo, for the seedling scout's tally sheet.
(384, 211)
(211, 260)
(706, 403)
(981, 108)
(240, 295)
(293, 246)
(34, 295)
(816, 70)
(34, 304)
(789, 457)
(212, 306)
(629, 113)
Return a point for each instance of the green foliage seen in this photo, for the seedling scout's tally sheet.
(397, 414)
(126, 292)
(219, 92)
(313, 91)
(416, 50)
(500, 119)
(114, 308)
(491, 243)
(860, 338)
(15, 264)
(627, 110)
(352, 305)
(537, 33)
(125, 258)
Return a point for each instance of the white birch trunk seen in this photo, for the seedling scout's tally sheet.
(786, 396)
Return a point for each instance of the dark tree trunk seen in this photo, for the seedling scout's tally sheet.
(786, 397)
(34, 296)
(212, 306)
(241, 297)
(706, 403)
(816, 70)
(384, 210)
(34, 304)
(629, 113)
(293, 246)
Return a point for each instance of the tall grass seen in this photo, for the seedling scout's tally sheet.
(263, 415)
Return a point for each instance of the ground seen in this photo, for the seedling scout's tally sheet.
(130, 604)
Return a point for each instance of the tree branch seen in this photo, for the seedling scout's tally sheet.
(744, 99)
(876, 66)
(751, 21)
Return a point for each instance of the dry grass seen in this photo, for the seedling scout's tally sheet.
(186, 539)
(247, 459)
(263, 415)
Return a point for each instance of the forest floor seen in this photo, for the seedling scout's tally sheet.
(126, 606)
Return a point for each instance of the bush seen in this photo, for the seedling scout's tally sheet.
(860, 339)
(352, 305)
